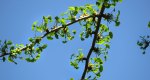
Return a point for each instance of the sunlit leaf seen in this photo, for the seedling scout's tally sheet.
(45, 19)
(38, 56)
(71, 8)
(34, 25)
(120, 0)
(63, 21)
(70, 37)
(39, 29)
(98, 60)
(74, 64)
(71, 78)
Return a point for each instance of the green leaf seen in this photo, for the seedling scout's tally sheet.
(9, 42)
(38, 56)
(107, 46)
(107, 5)
(34, 25)
(71, 8)
(70, 37)
(72, 56)
(74, 32)
(98, 75)
(117, 23)
(45, 19)
(64, 41)
(80, 56)
(50, 18)
(71, 78)
(73, 18)
(101, 68)
(98, 3)
(139, 43)
(39, 29)
(38, 50)
(95, 71)
(12, 47)
(118, 13)
(49, 37)
(105, 57)
(81, 36)
(57, 18)
(31, 39)
(120, 0)
(82, 39)
(104, 28)
(74, 64)
(44, 46)
(30, 60)
(110, 34)
(98, 60)
(4, 59)
(56, 36)
(89, 77)
(63, 21)
(101, 41)
(10, 59)
(149, 24)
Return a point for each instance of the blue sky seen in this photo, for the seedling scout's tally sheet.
(125, 61)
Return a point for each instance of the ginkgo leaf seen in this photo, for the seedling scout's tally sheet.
(149, 24)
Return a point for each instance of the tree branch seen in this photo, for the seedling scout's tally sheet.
(50, 31)
(100, 15)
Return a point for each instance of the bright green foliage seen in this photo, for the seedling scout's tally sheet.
(76, 59)
(71, 79)
(88, 17)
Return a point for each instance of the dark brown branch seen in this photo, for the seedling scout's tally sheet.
(68, 24)
(94, 41)
(52, 30)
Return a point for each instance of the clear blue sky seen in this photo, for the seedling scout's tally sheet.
(125, 61)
